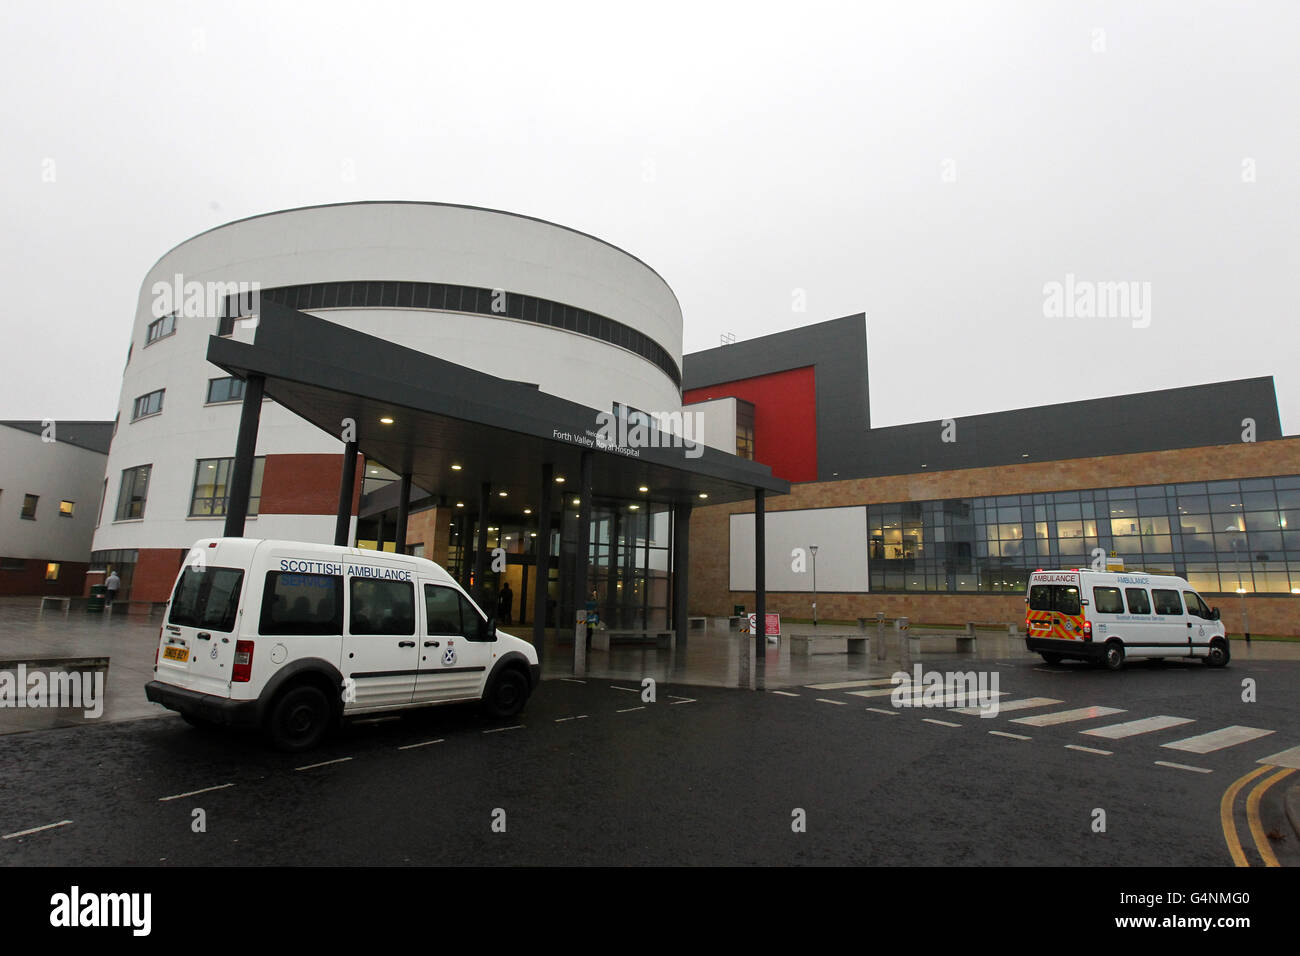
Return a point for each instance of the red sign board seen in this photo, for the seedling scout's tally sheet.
(773, 622)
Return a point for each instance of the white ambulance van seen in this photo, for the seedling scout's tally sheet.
(1107, 616)
(290, 637)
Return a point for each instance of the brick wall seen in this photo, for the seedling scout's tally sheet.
(305, 484)
(431, 528)
(31, 579)
(154, 574)
(710, 544)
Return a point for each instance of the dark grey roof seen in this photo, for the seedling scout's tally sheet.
(94, 436)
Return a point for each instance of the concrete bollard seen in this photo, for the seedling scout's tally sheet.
(905, 645)
(580, 648)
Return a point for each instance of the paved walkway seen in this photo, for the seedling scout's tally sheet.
(707, 658)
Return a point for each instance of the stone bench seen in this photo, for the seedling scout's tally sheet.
(697, 623)
(808, 644)
(65, 602)
(601, 639)
(965, 639)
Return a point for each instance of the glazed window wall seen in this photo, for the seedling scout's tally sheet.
(1220, 535)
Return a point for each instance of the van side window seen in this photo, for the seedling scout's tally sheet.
(1107, 601)
(208, 598)
(448, 612)
(381, 607)
(301, 604)
(1166, 601)
(1195, 605)
(1138, 602)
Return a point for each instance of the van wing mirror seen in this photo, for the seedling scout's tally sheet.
(488, 629)
(1214, 614)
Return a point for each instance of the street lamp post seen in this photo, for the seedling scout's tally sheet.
(813, 549)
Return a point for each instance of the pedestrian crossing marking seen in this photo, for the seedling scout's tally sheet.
(1287, 758)
(1217, 739)
(1025, 704)
(1134, 727)
(915, 697)
(1090, 750)
(845, 684)
(1067, 716)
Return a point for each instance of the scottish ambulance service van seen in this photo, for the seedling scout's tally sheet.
(1107, 617)
(290, 637)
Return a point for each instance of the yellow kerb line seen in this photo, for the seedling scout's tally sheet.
(1252, 814)
(1225, 815)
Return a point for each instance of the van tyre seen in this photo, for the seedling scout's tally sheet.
(1051, 658)
(1218, 653)
(299, 719)
(1113, 659)
(507, 694)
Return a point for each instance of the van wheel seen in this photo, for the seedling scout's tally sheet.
(1114, 658)
(1218, 655)
(507, 694)
(1051, 658)
(300, 719)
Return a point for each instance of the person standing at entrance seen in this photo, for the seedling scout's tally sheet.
(505, 604)
(111, 584)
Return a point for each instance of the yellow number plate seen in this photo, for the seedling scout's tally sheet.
(174, 653)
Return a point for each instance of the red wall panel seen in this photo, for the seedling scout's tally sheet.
(785, 418)
(305, 484)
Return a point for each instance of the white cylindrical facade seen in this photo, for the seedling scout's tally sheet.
(372, 242)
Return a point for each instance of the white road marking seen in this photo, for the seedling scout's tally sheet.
(1287, 758)
(497, 730)
(177, 796)
(628, 710)
(634, 690)
(323, 763)
(837, 703)
(682, 700)
(1003, 733)
(841, 685)
(1134, 727)
(573, 680)
(424, 743)
(1067, 716)
(887, 713)
(1089, 750)
(881, 692)
(1183, 766)
(915, 697)
(1024, 704)
(785, 693)
(941, 723)
(1217, 739)
(48, 826)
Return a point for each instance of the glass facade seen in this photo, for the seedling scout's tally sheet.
(1220, 535)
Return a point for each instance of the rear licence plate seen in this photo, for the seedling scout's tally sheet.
(173, 653)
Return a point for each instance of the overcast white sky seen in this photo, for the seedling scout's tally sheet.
(930, 164)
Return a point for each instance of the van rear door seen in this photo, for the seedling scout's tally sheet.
(198, 647)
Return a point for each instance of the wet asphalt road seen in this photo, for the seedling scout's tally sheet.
(590, 774)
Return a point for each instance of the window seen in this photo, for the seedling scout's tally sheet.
(1138, 602)
(211, 494)
(1166, 601)
(448, 612)
(207, 598)
(29, 506)
(1063, 598)
(66, 508)
(229, 389)
(103, 496)
(159, 330)
(1107, 601)
(301, 604)
(52, 571)
(13, 564)
(1195, 606)
(135, 489)
(146, 405)
(381, 607)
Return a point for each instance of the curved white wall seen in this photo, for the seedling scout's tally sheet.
(413, 242)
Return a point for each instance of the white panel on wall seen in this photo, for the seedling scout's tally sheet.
(839, 533)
